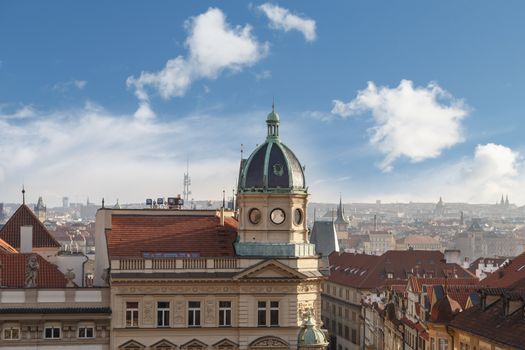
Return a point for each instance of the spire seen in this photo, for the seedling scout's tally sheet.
(272, 122)
(23, 195)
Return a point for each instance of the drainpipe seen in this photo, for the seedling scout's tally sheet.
(83, 269)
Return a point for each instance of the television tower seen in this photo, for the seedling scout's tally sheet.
(186, 184)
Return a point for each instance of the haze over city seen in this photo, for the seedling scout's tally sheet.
(393, 101)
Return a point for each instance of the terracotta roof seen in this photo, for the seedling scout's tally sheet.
(372, 271)
(444, 310)
(492, 324)
(14, 267)
(23, 216)
(507, 275)
(133, 235)
(6, 247)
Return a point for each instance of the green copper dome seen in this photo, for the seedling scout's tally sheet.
(272, 167)
(311, 336)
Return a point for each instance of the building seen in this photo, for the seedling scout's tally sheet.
(40, 210)
(341, 222)
(199, 279)
(357, 278)
(498, 321)
(324, 236)
(418, 242)
(379, 242)
(483, 267)
(42, 308)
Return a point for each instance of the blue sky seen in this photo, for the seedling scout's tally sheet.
(71, 87)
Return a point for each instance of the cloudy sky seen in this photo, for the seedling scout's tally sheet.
(386, 100)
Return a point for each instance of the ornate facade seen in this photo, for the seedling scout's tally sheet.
(198, 280)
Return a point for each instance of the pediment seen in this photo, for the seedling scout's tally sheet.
(269, 269)
(194, 344)
(225, 344)
(132, 345)
(164, 344)
(269, 342)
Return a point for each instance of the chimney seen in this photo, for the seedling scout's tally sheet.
(26, 239)
(222, 216)
(375, 222)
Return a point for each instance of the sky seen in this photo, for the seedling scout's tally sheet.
(380, 100)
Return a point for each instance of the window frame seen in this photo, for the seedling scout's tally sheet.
(10, 328)
(194, 312)
(269, 313)
(225, 314)
(165, 311)
(86, 326)
(55, 326)
(134, 313)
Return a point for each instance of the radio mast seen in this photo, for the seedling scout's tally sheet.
(186, 184)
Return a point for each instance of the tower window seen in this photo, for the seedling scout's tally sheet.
(225, 313)
(132, 314)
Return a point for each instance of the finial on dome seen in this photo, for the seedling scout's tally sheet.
(272, 121)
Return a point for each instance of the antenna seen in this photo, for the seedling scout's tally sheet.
(23, 194)
(187, 183)
(223, 198)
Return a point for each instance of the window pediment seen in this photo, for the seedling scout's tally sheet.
(269, 342)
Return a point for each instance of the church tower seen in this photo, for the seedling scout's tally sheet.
(272, 199)
(40, 210)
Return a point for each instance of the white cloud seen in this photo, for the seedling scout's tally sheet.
(26, 111)
(283, 19)
(265, 74)
(417, 123)
(67, 85)
(213, 46)
(92, 152)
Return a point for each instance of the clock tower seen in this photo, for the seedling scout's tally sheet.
(272, 199)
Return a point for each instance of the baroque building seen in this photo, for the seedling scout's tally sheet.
(216, 279)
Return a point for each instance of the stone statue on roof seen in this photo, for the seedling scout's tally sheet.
(32, 267)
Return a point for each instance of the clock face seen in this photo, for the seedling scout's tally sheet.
(277, 216)
(255, 216)
(298, 216)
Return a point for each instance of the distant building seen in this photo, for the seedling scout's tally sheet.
(341, 222)
(418, 242)
(40, 210)
(324, 236)
(379, 242)
(439, 210)
(65, 202)
(2, 213)
(483, 267)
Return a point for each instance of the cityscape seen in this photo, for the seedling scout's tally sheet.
(172, 176)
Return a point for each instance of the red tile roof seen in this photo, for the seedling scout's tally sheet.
(14, 267)
(371, 271)
(492, 324)
(24, 216)
(133, 235)
(507, 275)
(6, 247)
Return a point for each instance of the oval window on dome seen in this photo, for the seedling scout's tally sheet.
(278, 169)
(255, 216)
(298, 216)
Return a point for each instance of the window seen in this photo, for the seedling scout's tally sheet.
(225, 313)
(132, 314)
(354, 336)
(347, 333)
(432, 344)
(463, 346)
(86, 331)
(11, 332)
(163, 314)
(52, 331)
(442, 344)
(194, 313)
(261, 313)
(268, 317)
(346, 313)
(340, 311)
(274, 313)
(340, 329)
